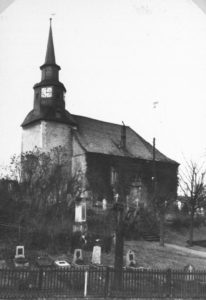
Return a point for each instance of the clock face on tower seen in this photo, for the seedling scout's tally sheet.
(46, 92)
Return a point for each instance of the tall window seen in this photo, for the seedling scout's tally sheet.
(84, 214)
(113, 176)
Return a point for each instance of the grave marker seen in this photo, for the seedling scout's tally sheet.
(78, 257)
(189, 269)
(104, 204)
(96, 255)
(130, 259)
(19, 252)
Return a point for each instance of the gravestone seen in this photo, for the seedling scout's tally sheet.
(19, 259)
(78, 257)
(130, 259)
(96, 255)
(19, 252)
(189, 269)
(114, 239)
(104, 204)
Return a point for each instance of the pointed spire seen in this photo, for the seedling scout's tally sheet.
(50, 55)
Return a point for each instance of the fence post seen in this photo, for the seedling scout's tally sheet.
(40, 278)
(106, 290)
(169, 282)
(85, 283)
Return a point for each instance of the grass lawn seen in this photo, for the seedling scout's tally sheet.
(151, 255)
(181, 236)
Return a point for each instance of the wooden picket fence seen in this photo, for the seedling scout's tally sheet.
(101, 282)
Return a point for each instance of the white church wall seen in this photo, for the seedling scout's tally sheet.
(47, 135)
(57, 134)
(31, 137)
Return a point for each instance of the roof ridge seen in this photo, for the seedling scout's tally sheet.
(106, 122)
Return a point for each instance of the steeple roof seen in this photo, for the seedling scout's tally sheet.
(49, 107)
(50, 55)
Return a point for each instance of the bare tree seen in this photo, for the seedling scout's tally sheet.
(46, 188)
(192, 185)
(43, 176)
(162, 202)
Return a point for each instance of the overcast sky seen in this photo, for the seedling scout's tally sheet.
(117, 58)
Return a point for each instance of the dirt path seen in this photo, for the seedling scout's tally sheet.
(187, 250)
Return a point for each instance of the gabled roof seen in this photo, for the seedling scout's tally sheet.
(102, 137)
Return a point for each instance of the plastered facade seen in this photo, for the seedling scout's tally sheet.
(31, 137)
(56, 134)
(47, 135)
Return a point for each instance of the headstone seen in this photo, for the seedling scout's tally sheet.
(189, 270)
(78, 257)
(96, 255)
(116, 197)
(114, 239)
(104, 204)
(130, 259)
(19, 252)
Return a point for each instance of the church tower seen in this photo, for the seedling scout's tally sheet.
(48, 124)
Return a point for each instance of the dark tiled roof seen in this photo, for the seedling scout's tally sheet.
(49, 82)
(62, 116)
(103, 137)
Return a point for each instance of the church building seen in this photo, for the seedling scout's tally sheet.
(103, 152)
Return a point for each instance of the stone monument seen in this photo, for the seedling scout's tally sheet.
(130, 259)
(96, 255)
(189, 269)
(19, 252)
(78, 257)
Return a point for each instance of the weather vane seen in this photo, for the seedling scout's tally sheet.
(50, 19)
(155, 104)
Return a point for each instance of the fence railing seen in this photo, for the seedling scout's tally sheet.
(101, 282)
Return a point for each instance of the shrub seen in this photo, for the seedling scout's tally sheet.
(145, 222)
(183, 221)
(38, 240)
(62, 240)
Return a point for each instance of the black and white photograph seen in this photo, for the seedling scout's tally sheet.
(103, 151)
